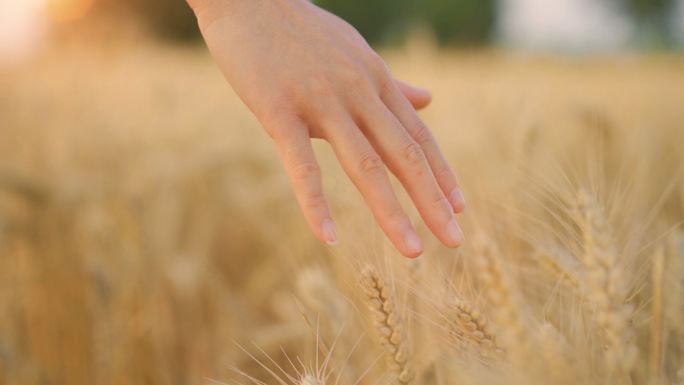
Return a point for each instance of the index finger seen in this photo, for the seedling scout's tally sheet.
(446, 177)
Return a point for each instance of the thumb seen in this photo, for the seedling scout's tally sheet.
(419, 97)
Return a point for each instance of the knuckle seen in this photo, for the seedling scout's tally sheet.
(306, 170)
(371, 165)
(412, 154)
(395, 213)
(420, 132)
(279, 121)
(377, 65)
(385, 85)
(378, 70)
(444, 172)
(315, 201)
(441, 204)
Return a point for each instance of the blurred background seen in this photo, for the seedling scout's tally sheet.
(146, 222)
(577, 26)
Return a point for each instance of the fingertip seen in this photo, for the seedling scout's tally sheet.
(454, 234)
(413, 255)
(413, 246)
(417, 96)
(420, 98)
(457, 200)
(420, 104)
(329, 233)
(425, 94)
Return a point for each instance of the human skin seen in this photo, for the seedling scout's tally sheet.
(305, 73)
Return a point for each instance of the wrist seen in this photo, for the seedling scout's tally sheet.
(204, 4)
(208, 11)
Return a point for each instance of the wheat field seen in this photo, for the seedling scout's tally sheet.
(148, 234)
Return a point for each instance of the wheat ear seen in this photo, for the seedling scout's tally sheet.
(505, 303)
(558, 355)
(389, 328)
(467, 321)
(561, 265)
(605, 284)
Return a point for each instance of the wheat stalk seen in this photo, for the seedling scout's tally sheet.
(605, 283)
(673, 308)
(657, 272)
(381, 300)
(673, 283)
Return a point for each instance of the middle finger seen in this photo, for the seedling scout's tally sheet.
(406, 160)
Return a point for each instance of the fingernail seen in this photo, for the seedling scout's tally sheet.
(329, 233)
(455, 233)
(457, 200)
(413, 243)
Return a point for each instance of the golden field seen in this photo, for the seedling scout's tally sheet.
(148, 233)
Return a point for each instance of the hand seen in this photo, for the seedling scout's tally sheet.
(306, 73)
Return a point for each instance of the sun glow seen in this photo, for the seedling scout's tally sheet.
(25, 24)
(22, 28)
(67, 10)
